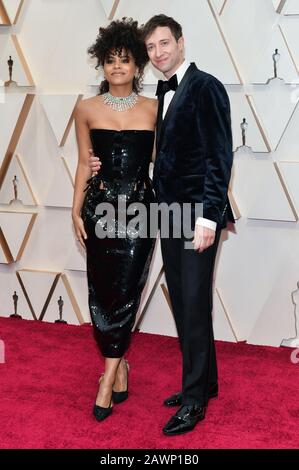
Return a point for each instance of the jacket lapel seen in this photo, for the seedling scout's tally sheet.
(179, 91)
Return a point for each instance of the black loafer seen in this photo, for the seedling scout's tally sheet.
(176, 399)
(184, 420)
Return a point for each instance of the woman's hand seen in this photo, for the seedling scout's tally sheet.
(79, 229)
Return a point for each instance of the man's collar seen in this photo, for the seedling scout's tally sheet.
(181, 70)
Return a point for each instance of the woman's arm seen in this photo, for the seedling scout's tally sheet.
(83, 171)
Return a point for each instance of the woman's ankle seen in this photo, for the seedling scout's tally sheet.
(107, 381)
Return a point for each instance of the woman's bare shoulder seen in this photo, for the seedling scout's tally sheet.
(151, 102)
(84, 106)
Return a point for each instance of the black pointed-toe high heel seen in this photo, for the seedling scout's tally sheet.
(100, 413)
(119, 397)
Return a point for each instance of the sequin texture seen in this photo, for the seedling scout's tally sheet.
(117, 268)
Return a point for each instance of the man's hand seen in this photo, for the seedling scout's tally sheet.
(94, 163)
(203, 238)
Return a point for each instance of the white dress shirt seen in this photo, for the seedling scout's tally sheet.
(180, 72)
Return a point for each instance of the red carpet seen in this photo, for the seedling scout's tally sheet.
(49, 383)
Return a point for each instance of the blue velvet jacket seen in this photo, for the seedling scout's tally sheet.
(194, 149)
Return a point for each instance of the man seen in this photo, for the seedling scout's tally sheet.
(193, 165)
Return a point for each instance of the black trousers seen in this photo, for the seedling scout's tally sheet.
(189, 276)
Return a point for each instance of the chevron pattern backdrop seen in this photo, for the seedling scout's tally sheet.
(257, 273)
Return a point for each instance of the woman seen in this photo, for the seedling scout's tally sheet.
(119, 125)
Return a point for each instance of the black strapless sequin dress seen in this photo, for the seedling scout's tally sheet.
(117, 268)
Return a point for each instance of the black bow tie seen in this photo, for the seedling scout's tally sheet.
(165, 86)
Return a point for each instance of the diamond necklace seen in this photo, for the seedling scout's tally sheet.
(120, 103)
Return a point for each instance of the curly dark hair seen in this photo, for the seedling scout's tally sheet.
(118, 35)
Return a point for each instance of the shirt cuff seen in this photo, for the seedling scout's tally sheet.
(206, 223)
